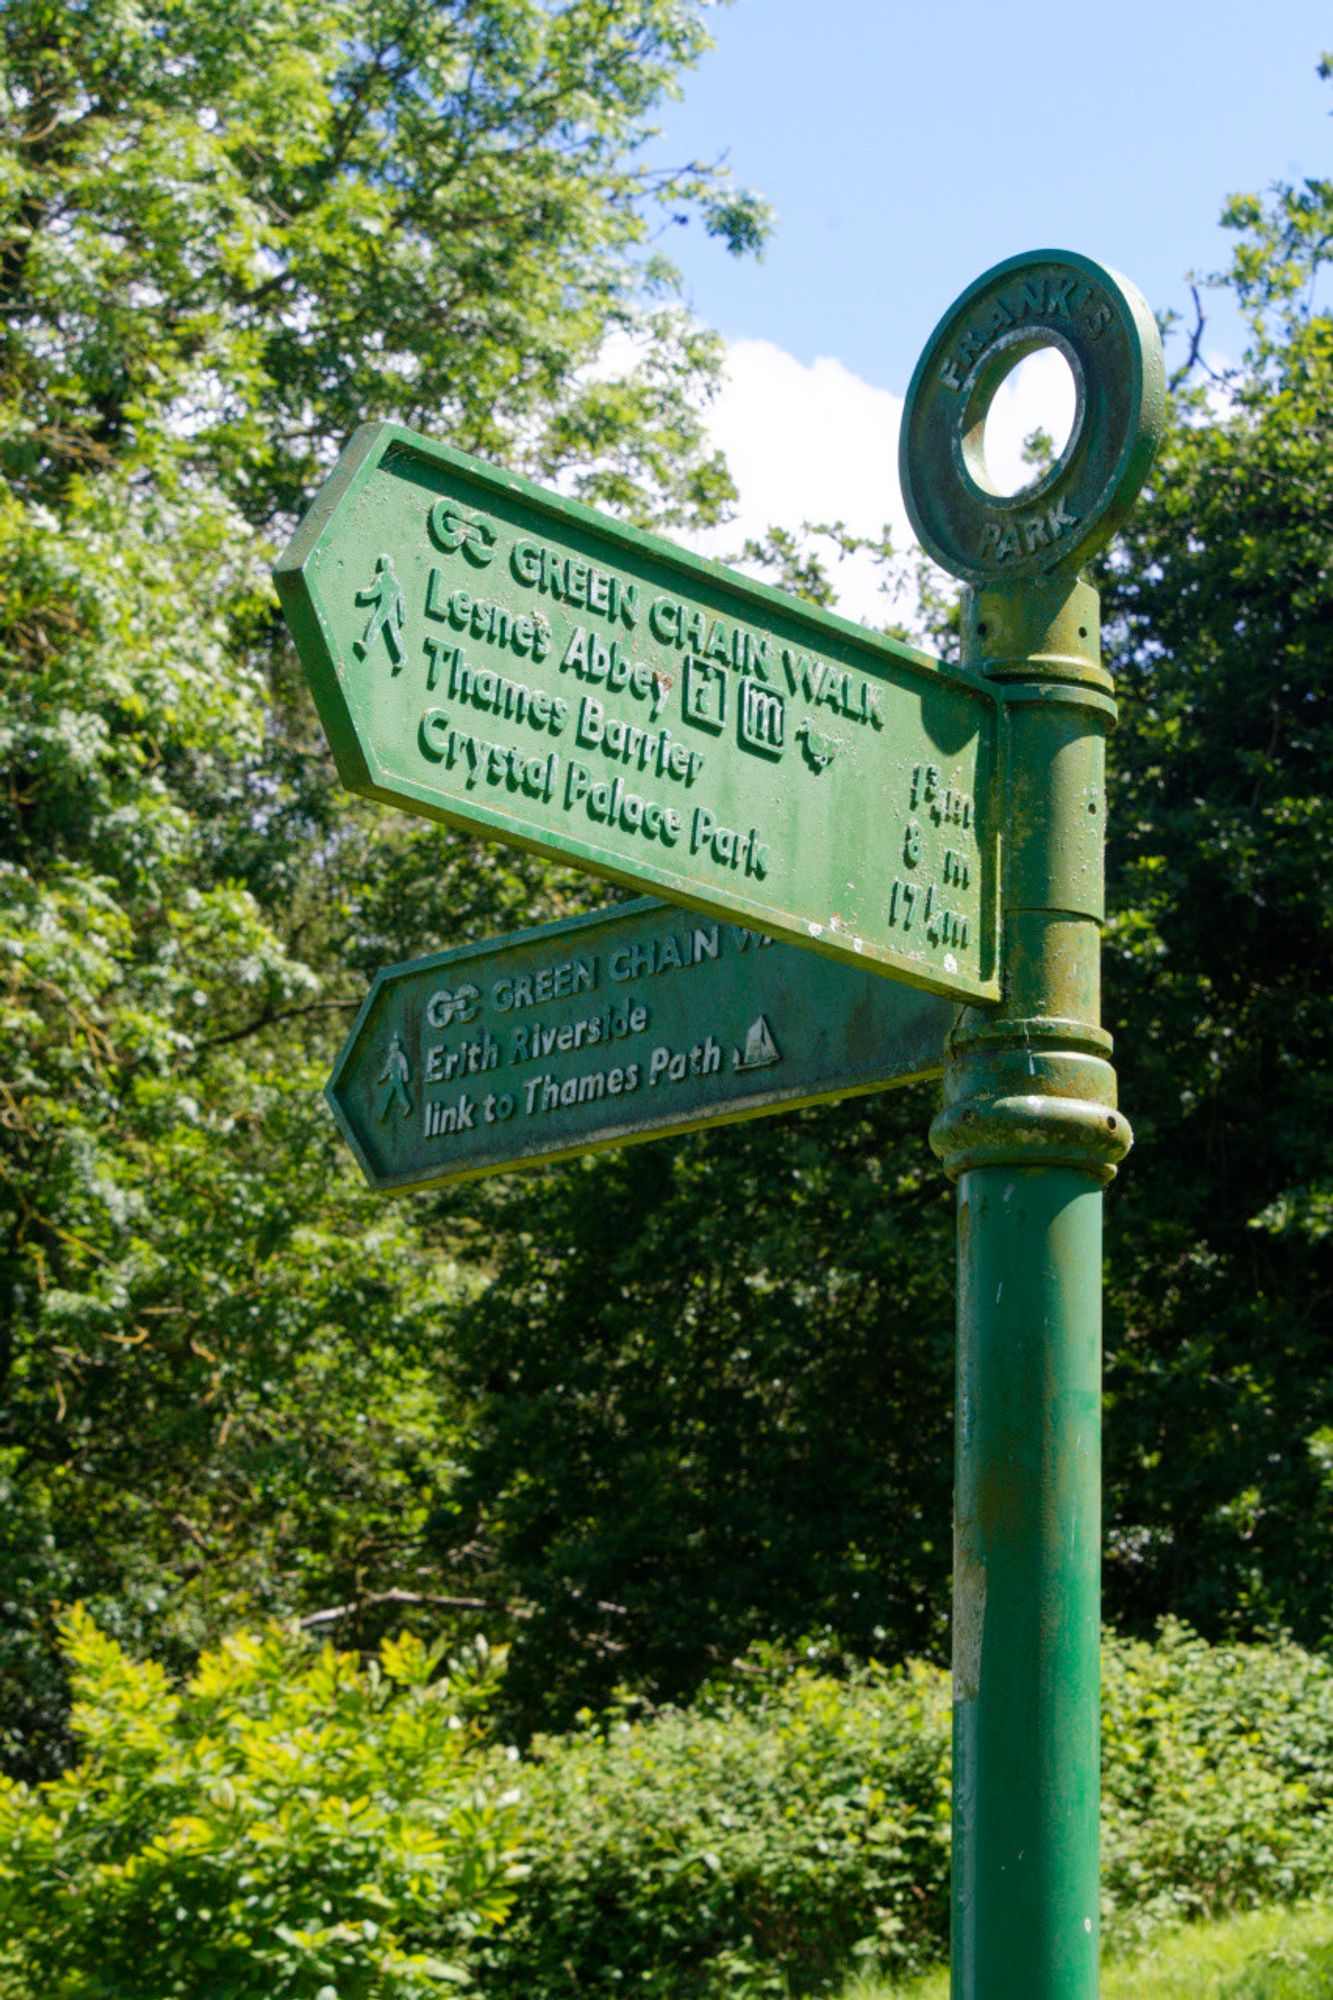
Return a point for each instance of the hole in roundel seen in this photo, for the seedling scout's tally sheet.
(1037, 394)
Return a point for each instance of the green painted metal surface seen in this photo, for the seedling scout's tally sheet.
(603, 1030)
(516, 665)
(1026, 1586)
(1029, 1126)
(1030, 1129)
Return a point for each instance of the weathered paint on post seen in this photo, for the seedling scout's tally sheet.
(603, 1030)
(1026, 1585)
(1030, 1129)
(504, 660)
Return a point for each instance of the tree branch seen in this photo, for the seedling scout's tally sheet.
(336, 1611)
(1194, 359)
(269, 1020)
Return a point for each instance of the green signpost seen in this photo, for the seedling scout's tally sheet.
(602, 1030)
(1029, 1128)
(513, 664)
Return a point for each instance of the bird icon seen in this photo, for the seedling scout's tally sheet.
(820, 750)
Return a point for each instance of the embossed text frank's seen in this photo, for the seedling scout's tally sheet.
(1103, 328)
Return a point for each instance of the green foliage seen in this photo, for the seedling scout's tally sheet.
(709, 1391)
(644, 1412)
(765, 1842)
(289, 1824)
(226, 237)
(1218, 1779)
(291, 1820)
(1220, 878)
(229, 238)
(755, 1845)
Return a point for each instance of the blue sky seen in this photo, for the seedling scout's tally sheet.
(907, 148)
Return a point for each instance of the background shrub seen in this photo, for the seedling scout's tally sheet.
(745, 1844)
(293, 1825)
(1217, 1776)
(768, 1844)
(289, 1824)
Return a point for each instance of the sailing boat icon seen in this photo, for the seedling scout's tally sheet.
(760, 1048)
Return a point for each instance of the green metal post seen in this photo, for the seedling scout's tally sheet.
(1029, 1128)
(1031, 1132)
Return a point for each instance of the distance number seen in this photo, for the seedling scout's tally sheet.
(946, 805)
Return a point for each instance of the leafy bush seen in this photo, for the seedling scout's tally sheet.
(747, 1845)
(769, 1845)
(293, 1826)
(290, 1826)
(1217, 1779)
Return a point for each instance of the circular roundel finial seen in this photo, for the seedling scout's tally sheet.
(1102, 326)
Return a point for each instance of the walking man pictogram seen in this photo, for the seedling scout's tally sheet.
(396, 1073)
(385, 593)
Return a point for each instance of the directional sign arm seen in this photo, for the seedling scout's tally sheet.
(603, 1031)
(515, 665)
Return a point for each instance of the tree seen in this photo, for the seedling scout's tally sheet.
(232, 238)
(711, 1388)
(1221, 604)
(644, 1410)
(226, 236)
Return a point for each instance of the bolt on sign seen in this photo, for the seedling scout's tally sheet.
(598, 1031)
(518, 666)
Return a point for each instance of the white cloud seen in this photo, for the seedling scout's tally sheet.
(809, 443)
(817, 443)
